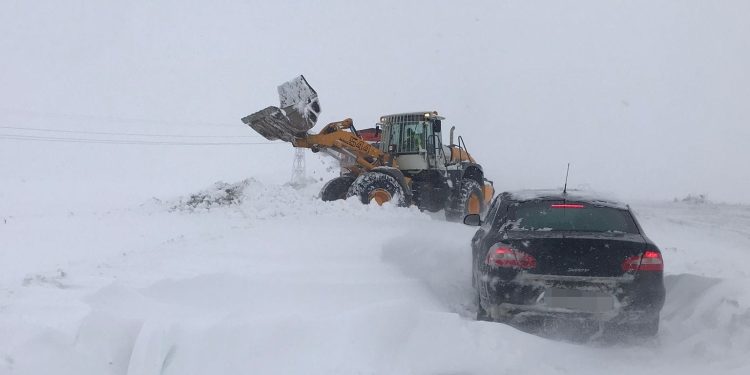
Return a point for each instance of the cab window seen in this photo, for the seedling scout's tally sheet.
(413, 137)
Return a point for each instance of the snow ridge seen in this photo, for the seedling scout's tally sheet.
(260, 278)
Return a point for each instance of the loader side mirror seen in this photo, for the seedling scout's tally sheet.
(377, 130)
(436, 126)
(473, 220)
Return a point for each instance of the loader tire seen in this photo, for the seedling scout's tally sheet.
(336, 189)
(469, 199)
(378, 188)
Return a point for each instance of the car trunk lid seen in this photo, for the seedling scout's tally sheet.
(578, 254)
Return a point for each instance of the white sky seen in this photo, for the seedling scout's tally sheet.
(647, 99)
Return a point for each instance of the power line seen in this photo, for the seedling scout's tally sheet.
(126, 142)
(81, 116)
(18, 137)
(125, 134)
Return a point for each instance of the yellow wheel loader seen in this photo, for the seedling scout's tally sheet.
(409, 166)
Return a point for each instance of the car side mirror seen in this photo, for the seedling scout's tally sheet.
(473, 220)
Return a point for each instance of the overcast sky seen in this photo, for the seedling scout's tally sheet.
(646, 99)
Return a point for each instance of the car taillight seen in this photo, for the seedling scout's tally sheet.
(503, 256)
(650, 260)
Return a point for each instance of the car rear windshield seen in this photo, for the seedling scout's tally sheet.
(570, 216)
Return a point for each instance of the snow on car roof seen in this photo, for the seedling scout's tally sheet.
(571, 195)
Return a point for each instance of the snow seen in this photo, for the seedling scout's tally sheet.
(280, 282)
(144, 229)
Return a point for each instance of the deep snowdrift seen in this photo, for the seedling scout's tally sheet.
(254, 278)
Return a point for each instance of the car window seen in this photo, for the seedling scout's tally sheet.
(492, 212)
(570, 216)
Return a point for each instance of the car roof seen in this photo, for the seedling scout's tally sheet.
(582, 196)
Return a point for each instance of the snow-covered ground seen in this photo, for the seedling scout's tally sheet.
(114, 114)
(280, 282)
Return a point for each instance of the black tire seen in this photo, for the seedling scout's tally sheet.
(375, 186)
(459, 204)
(645, 328)
(336, 188)
(648, 328)
(481, 312)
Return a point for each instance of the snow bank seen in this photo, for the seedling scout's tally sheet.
(278, 281)
(708, 319)
(221, 194)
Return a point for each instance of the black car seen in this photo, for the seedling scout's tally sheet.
(541, 255)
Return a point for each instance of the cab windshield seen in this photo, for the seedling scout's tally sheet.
(409, 136)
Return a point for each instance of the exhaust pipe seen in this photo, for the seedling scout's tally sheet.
(451, 137)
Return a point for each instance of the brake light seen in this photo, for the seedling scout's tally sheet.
(504, 256)
(650, 260)
(567, 205)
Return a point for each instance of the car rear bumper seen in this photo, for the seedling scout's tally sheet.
(520, 313)
(615, 299)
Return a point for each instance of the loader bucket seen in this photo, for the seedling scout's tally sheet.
(297, 114)
(272, 124)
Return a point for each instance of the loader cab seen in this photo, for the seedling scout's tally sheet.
(415, 139)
